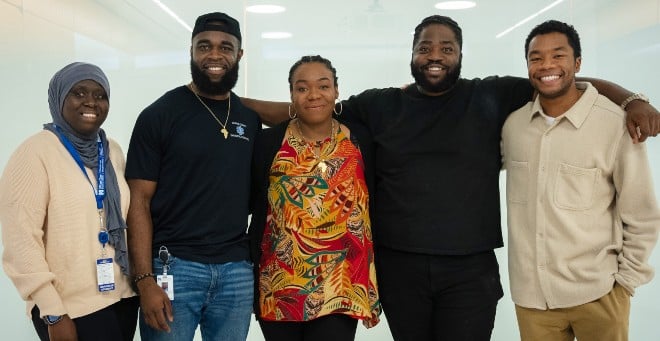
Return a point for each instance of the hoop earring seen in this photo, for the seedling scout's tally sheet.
(341, 109)
(294, 114)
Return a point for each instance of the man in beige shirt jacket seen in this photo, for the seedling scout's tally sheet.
(582, 215)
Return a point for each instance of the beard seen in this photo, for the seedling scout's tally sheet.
(445, 84)
(209, 87)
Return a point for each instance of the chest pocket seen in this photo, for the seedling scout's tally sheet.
(575, 187)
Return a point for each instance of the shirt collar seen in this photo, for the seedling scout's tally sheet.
(578, 113)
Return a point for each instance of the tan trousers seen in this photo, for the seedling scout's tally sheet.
(605, 319)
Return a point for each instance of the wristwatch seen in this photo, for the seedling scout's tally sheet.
(52, 319)
(637, 96)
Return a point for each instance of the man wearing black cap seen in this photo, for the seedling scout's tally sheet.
(188, 168)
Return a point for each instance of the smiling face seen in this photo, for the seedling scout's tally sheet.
(551, 65)
(86, 107)
(214, 62)
(436, 59)
(313, 92)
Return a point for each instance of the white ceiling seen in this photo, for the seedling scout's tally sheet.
(365, 37)
(141, 27)
(317, 23)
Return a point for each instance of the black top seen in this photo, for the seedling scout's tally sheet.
(201, 204)
(438, 163)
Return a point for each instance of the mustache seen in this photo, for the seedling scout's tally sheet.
(426, 66)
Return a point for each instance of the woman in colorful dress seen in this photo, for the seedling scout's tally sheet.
(310, 228)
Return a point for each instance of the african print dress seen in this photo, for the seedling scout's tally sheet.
(317, 252)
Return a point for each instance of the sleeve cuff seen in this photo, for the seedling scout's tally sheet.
(48, 300)
(625, 284)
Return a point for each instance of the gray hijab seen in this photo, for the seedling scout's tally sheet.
(58, 89)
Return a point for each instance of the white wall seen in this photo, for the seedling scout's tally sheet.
(144, 53)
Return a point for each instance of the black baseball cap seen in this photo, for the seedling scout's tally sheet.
(217, 21)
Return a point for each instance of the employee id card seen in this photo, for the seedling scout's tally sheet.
(105, 274)
(167, 283)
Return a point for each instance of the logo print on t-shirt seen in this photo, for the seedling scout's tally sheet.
(240, 130)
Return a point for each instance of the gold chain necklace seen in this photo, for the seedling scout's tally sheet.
(321, 157)
(224, 125)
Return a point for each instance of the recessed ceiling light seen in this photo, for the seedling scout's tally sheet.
(455, 4)
(275, 35)
(265, 9)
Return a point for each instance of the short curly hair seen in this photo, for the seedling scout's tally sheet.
(442, 20)
(552, 26)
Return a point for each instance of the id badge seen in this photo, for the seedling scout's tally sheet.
(105, 274)
(167, 283)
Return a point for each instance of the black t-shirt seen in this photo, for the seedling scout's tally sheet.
(438, 163)
(201, 204)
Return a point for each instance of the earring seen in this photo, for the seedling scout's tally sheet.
(294, 114)
(341, 109)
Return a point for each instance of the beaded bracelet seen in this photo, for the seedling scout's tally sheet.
(140, 277)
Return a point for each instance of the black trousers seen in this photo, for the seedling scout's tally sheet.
(333, 327)
(428, 297)
(113, 323)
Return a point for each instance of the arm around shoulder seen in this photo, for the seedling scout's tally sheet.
(642, 119)
(270, 113)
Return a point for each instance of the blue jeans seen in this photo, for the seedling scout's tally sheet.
(217, 297)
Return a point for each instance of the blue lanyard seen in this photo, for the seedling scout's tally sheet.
(99, 192)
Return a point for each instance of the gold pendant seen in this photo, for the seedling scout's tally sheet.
(224, 132)
(323, 167)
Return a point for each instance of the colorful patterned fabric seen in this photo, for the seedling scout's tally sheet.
(317, 252)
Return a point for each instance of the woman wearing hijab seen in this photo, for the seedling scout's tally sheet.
(63, 204)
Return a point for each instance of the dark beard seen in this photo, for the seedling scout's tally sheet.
(444, 85)
(209, 87)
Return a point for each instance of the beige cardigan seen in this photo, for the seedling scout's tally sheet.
(50, 226)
